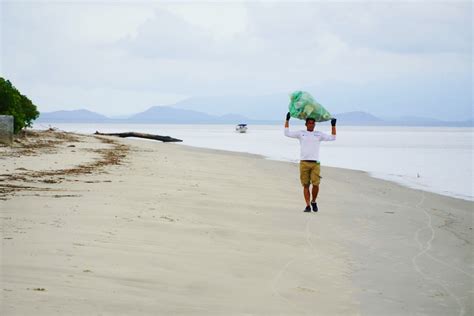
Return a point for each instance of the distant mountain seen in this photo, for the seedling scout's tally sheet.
(172, 115)
(156, 114)
(74, 116)
(261, 108)
(165, 114)
(273, 107)
(363, 118)
(358, 117)
(424, 121)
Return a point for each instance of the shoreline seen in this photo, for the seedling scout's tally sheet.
(170, 229)
(383, 177)
(414, 186)
(429, 181)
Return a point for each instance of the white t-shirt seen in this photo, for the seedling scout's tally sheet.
(309, 142)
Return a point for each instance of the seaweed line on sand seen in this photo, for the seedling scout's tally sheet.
(31, 145)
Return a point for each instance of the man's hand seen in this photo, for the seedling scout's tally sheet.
(288, 116)
(333, 122)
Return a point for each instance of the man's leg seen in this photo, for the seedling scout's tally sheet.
(305, 174)
(314, 191)
(306, 194)
(315, 179)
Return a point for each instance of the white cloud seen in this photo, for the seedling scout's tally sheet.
(158, 52)
(222, 20)
(405, 27)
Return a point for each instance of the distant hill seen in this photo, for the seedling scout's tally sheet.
(156, 114)
(424, 121)
(260, 108)
(338, 99)
(74, 116)
(358, 117)
(165, 114)
(364, 118)
(172, 115)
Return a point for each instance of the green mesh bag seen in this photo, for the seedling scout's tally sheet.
(303, 106)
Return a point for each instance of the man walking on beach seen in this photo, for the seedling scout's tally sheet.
(309, 157)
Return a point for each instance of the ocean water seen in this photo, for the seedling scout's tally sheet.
(435, 159)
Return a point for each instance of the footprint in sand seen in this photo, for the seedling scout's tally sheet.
(305, 289)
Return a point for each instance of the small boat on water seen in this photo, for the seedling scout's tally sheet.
(241, 128)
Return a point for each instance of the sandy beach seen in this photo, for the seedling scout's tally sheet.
(107, 226)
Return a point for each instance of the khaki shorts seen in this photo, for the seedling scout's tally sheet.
(310, 173)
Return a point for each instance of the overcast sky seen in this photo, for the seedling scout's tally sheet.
(121, 57)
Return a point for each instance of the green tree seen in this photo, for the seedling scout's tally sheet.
(12, 102)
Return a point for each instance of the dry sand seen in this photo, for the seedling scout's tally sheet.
(131, 227)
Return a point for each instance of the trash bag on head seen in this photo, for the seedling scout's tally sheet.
(302, 106)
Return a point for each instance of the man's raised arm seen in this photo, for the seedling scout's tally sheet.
(333, 126)
(287, 128)
(287, 122)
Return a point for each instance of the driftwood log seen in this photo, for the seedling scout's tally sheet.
(165, 139)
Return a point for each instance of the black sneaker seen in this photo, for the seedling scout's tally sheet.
(307, 209)
(314, 205)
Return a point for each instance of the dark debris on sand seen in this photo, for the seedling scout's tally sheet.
(38, 142)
